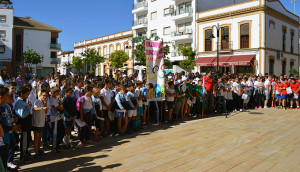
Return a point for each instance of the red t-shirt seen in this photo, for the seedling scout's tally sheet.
(283, 85)
(208, 83)
(277, 86)
(295, 86)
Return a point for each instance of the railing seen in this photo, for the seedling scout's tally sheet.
(225, 45)
(184, 32)
(182, 11)
(55, 60)
(139, 22)
(55, 46)
(139, 5)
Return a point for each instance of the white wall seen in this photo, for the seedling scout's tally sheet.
(39, 41)
(7, 26)
(211, 4)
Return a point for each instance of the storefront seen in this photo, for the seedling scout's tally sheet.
(237, 64)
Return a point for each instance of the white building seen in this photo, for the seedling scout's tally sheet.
(6, 28)
(256, 36)
(66, 61)
(173, 21)
(106, 45)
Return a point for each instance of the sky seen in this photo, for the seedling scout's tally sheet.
(87, 19)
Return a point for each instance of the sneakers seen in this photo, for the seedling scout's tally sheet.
(241, 110)
(38, 157)
(266, 107)
(273, 107)
(298, 107)
(189, 116)
(260, 107)
(255, 107)
(291, 108)
(80, 145)
(11, 165)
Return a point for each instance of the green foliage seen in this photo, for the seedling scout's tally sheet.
(293, 72)
(92, 57)
(31, 57)
(118, 58)
(77, 63)
(188, 52)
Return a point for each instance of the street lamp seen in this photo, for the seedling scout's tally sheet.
(223, 40)
(133, 56)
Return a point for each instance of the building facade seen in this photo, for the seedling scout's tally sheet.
(105, 46)
(174, 21)
(66, 62)
(6, 28)
(255, 36)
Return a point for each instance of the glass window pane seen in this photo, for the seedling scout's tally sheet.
(245, 29)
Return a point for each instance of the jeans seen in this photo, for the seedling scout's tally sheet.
(211, 102)
(47, 133)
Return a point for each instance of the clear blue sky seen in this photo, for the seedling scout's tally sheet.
(86, 19)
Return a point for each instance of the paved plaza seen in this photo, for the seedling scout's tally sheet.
(259, 140)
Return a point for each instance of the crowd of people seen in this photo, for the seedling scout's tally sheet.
(46, 113)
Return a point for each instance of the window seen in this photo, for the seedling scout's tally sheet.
(126, 48)
(292, 42)
(153, 33)
(2, 19)
(53, 40)
(181, 9)
(271, 67)
(153, 15)
(208, 41)
(167, 12)
(105, 51)
(119, 47)
(18, 47)
(99, 51)
(283, 67)
(225, 38)
(167, 31)
(2, 49)
(283, 39)
(111, 49)
(53, 55)
(2, 33)
(292, 65)
(244, 35)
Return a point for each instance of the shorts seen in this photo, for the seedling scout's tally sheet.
(277, 96)
(37, 129)
(284, 96)
(140, 111)
(170, 105)
(267, 95)
(132, 113)
(121, 114)
(68, 124)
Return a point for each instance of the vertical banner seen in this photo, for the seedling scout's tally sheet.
(155, 69)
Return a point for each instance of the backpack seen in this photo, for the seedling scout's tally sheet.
(78, 102)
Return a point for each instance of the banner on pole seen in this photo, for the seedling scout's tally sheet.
(155, 69)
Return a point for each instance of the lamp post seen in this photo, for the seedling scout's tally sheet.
(218, 42)
(133, 56)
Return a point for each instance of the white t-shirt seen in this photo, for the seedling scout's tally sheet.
(250, 85)
(170, 91)
(35, 84)
(258, 84)
(107, 95)
(52, 84)
(237, 87)
(267, 82)
(54, 114)
(77, 92)
(88, 104)
(38, 117)
(138, 93)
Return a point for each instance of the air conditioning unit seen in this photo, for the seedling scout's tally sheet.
(279, 55)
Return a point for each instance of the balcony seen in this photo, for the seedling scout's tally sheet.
(184, 35)
(139, 24)
(55, 46)
(55, 60)
(181, 14)
(140, 7)
(225, 47)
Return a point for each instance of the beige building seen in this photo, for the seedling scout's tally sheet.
(105, 46)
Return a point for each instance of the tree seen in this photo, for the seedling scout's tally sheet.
(293, 72)
(118, 58)
(77, 63)
(190, 55)
(31, 57)
(92, 57)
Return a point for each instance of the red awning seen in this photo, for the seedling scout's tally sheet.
(222, 60)
(205, 61)
(241, 60)
(237, 60)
